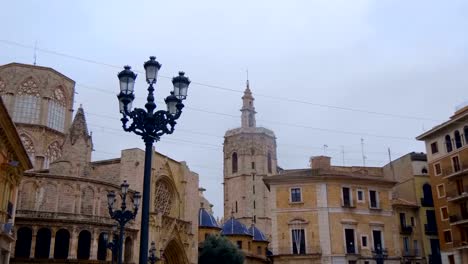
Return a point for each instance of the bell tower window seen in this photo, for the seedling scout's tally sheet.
(234, 162)
(269, 163)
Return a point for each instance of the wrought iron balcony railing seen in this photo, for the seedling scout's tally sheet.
(406, 230)
(426, 202)
(430, 229)
(457, 194)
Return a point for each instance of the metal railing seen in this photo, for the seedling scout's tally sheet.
(314, 250)
(457, 171)
(430, 229)
(414, 252)
(455, 193)
(458, 217)
(406, 230)
(426, 202)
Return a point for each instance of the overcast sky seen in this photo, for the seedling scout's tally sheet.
(322, 72)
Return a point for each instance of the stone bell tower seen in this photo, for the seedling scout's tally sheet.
(249, 156)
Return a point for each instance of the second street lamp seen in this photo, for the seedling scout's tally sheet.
(150, 125)
(122, 216)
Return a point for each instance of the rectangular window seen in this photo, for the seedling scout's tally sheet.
(444, 213)
(360, 196)
(254, 205)
(259, 250)
(448, 236)
(437, 169)
(298, 241)
(456, 164)
(406, 248)
(434, 147)
(364, 241)
(239, 244)
(349, 240)
(56, 116)
(347, 201)
(296, 195)
(374, 199)
(416, 247)
(253, 165)
(378, 241)
(441, 190)
(253, 189)
(27, 109)
(451, 259)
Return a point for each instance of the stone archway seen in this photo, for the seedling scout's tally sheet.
(43, 239)
(23, 242)
(174, 253)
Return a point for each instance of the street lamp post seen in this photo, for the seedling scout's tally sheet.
(122, 216)
(150, 125)
(112, 245)
(152, 258)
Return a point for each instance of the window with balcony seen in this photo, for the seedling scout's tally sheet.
(434, 147)
(456, 164)
(349, 240)
(296, 195)
(431, 227)
(458, 140)
(347, 197)
(298, 241)
(427, 200)
(448, 143)
(374, 199)
(406, 246)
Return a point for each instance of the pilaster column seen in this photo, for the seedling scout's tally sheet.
(73, 244)
(94, 245)
(52, 243)
(33, 242)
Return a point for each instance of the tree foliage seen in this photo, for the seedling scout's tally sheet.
(218, 249)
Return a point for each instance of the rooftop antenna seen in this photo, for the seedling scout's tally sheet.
(35, 52)
(362, 151)
(325, 146)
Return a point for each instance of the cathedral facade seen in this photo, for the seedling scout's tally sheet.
(249, 157)
(62, 210)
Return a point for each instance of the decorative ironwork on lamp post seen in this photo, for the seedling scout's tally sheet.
(150, 125)
(122, 216)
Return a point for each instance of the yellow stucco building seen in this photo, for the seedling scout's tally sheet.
(332, 214)
(13, 162)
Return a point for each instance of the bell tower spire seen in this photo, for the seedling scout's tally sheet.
(248, 109)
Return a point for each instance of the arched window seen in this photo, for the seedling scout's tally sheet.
(87, 201)
(465, 132)
(27, 103)
(23, 242)
(448, 143)
(164, 197)
(56, 112)
(53, 153)
(84, 245)
(234, 162)
(102, 248)
(128, 250)
(269, 163)
(43, 243)
(424, 170)
(251, 120)
(62, 244)
(458, 140)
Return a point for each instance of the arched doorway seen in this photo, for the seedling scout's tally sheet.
(62, 244)
(102, 248)
(23, 242)
(84, 245)
(43, 243)
(128, 250)
(174, 253)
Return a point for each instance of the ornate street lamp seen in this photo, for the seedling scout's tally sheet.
(112, 245)
(379, 255)
(122, 216)
(152, 254)
(150, 125)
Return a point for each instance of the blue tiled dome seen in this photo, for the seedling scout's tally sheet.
(234, 227)
(257, 234)
(205, 219)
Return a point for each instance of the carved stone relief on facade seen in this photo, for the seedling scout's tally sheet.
(29, 87)
(53, 152)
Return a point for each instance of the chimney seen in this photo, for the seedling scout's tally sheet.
(320, 162)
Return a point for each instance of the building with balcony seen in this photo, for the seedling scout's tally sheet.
(414, 208)
(332, 214)
(447, 154)
(13, 162)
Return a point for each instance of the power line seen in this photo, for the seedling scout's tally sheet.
(292, 100)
